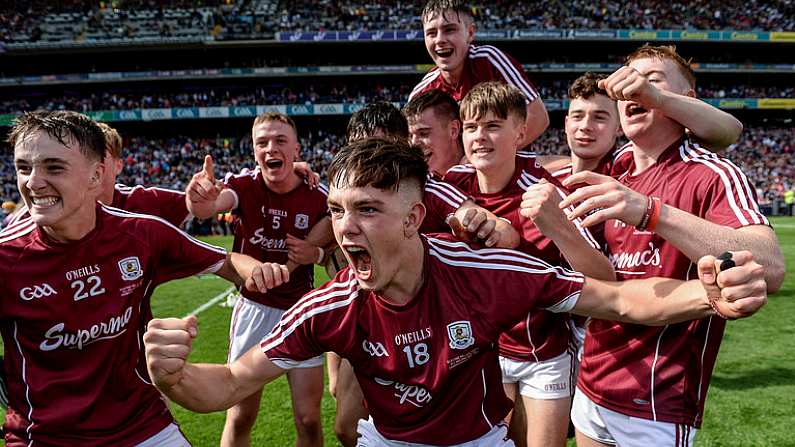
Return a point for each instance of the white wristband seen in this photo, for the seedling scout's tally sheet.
(320, 255)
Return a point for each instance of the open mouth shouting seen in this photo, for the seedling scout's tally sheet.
(444, 52)
(360, 261)
(634, 109)
(274, 163)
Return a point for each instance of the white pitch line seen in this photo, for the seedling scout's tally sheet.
(212, 302)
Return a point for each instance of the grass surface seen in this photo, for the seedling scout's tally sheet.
(750, 403)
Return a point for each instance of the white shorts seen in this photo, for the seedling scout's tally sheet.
(550, 379)
(170, 436)
(610, 427)
(370, 437)
(251, 322)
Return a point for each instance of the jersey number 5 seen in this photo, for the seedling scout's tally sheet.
(418, 356)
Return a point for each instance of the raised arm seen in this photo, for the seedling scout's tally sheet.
(540, 204)
(692, 235)
(735, 293)
(200, 387)
(205, 196)
(536, 123)
(711, 126)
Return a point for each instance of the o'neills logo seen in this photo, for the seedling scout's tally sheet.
(57, 338)
(637, 259)
(413, 394)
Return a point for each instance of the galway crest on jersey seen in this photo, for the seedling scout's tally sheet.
(460, 334)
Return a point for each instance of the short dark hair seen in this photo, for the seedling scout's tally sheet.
(67, 127)
(433, 8)
(378, 116)
(443, 104)
(500, 99)
(586, 86)
(378, 162)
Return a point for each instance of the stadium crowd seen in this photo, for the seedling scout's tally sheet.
(316, 93)
(82, 21)
(764, 153)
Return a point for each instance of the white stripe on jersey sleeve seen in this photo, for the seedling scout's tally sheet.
(281, 331)
(323, 188)
(467, 169)
(446, 193)
(122, 213)
(426, 80)
(460, 254)
(20, 228)
(736, 187)
(509, 72)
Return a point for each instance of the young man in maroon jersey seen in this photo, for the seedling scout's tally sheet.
(449, 29)
(75, 281)
(164, 203)
(418, 317)
(537, 364)
(674, 202)
(277, 211)
(447, 208)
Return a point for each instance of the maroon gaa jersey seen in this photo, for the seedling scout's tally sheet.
(483, 63)
(72, 316)
(266, 218)
(541, 335)
(428, 369)
(662, 373)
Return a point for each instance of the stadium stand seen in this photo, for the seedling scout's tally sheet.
(136, 20)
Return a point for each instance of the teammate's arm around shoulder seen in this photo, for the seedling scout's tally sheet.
(730, 293)
(205, 196)
(536, 123)
(200, 387)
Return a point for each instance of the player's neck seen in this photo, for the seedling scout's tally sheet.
(648, 147)
(410, 278)
(107, 196)
(291, 182)
(496, 179)
(583, 164)
(76, 226)
(453, 77)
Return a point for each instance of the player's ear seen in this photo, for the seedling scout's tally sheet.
(413, 220)
(454, 128)
(471, 30)
(98, 170)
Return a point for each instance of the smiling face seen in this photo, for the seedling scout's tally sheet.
(275, 149)
(447, 38)
(490, 142)
(373, 226)
(664, 75)
(438, 137)
(59, 184)
(592, 126)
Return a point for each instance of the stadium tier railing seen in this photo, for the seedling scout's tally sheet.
(180, 113)
(348, 70)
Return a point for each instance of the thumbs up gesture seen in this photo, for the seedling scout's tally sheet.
(203, 190)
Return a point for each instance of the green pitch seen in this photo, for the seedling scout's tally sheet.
(750, 400)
